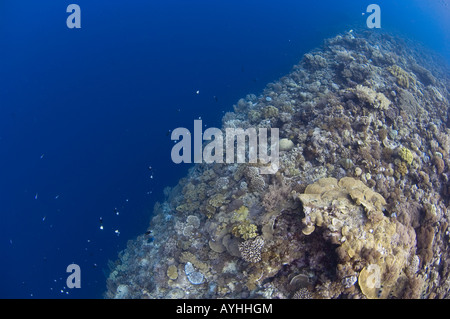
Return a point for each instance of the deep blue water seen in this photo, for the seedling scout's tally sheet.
(85, 112)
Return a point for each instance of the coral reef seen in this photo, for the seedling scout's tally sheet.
(359, 207)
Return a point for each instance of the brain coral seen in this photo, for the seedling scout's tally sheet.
(352, 217)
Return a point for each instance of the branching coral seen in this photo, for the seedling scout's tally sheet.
(251, 249)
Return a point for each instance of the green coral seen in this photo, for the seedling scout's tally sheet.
(406, 155)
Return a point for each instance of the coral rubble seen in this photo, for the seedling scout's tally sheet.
(359, 207)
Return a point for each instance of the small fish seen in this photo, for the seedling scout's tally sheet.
(43, 218)
(57, 196)
(36, 196)
(197, 92)
(42, 156)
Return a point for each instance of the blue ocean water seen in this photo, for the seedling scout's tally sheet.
(85, 113)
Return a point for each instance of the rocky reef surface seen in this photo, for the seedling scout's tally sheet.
(359, 207)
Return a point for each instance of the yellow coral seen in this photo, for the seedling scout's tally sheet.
(402, 169)
(240, 215)
(403, 77)
(172, 272)
(189, 257)
(406, 155)
(245, 229)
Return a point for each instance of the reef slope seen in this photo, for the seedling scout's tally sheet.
(357, 209)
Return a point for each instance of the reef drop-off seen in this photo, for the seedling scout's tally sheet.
(359, 207)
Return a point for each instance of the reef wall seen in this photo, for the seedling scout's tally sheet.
(357, 209)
